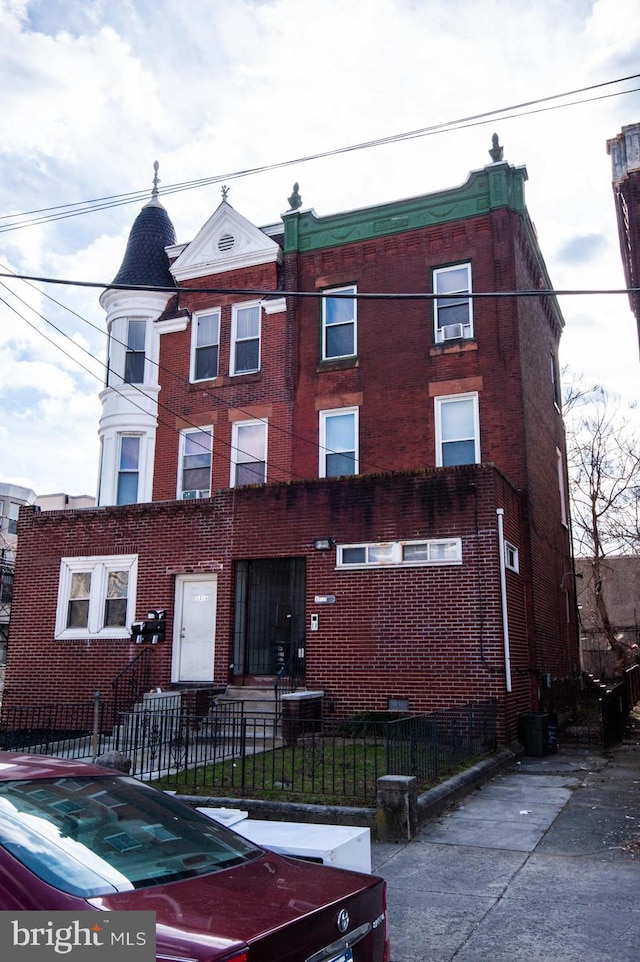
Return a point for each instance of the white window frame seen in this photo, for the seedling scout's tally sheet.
(195, 347)
(202, 492)
(511, 557)
(325, 416)
(237, 452)
(439, 403)
(444, 333)
(391, 554)
(99, 567)
(353, 322)
(236, 309)
(130, 351)
(129, 471)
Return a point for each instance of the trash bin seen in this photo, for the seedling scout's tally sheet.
(533, 732)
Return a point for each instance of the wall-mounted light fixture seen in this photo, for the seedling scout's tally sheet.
(324, 544)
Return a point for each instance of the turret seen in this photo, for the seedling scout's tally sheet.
(137, 296)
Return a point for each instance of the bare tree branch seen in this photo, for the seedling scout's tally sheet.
(603, 460)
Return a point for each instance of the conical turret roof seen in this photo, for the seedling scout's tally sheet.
(145, 261)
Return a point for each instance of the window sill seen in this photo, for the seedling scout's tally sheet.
(80, 634)
(224, 380)
(453, 347)
(338, 364)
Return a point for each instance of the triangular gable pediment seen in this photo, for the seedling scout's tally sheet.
(227, 242)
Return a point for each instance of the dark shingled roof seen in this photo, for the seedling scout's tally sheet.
(145, 261)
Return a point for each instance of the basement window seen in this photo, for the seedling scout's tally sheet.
(435, 551)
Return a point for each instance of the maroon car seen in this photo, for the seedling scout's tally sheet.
(75, 836)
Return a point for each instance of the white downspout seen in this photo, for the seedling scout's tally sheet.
(503, 595)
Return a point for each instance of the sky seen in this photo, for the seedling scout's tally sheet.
(95, 91)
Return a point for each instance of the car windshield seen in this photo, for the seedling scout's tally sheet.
(92, 836)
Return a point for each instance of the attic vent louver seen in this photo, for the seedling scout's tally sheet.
(226, 243)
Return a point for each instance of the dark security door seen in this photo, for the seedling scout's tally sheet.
(269, 614)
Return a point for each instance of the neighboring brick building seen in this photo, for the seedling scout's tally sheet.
(373, 488)
(618, 580)
(625, 166)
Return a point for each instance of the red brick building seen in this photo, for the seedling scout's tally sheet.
(625, 168)
(335, 442)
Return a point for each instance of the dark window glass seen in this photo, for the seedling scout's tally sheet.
(339, 464)
(250, 472)
(134, 357)
(247, 353)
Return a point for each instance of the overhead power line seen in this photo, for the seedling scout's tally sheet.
(320, 294)
(141, 392)
(74, 209)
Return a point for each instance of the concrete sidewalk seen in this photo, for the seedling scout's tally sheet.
(542, 864)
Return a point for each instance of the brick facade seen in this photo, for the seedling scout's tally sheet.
(433, 635)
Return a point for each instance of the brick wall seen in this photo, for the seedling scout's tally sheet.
(218, 402)
(432, 635)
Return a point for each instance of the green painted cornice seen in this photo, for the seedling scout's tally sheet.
(496, 185)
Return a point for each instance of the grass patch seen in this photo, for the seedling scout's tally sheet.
(322, 771)
(318, 771)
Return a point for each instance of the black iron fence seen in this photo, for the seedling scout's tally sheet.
(428, 746)
(227, 751)
(76, 730)
(603, 708)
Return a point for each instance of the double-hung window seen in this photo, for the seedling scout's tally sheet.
(339, 323)
(249, 453)
(245, 339)
(128, 469)
(96, 596)
(205, 344)
(453, 313)
(134, 353)
(338, 442)
(194, 480)
(457, 430)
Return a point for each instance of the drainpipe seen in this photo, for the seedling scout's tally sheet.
(503, 595)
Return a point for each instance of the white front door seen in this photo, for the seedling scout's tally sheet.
(195, 628)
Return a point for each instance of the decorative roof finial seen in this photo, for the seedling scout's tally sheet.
(224, 192)
(295, 200)
(156, 180)
(497, 152)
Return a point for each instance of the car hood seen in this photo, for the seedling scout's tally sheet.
(210, 916)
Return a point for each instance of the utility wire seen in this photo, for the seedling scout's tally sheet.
(74, 209)
(162, 406)
(180, 378)
(321, 294)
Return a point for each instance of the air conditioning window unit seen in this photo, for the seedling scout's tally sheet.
(452, 331)
(190, 495)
